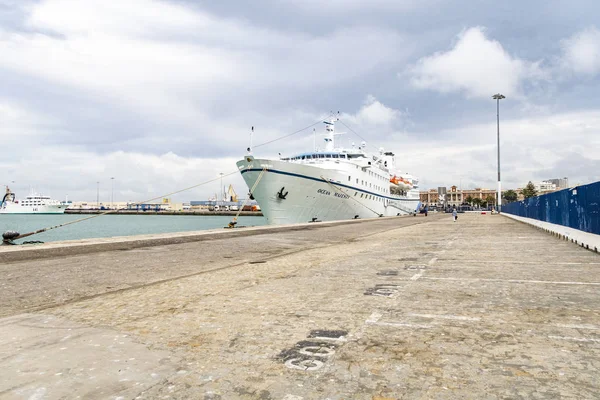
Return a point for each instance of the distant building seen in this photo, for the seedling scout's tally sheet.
(454, 196)
(199, 205)
(544, 187)
(561, 183)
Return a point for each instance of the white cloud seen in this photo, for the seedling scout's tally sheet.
(531, 149)
(62, 170)
(373, 112)
(581, 52)
(173, 63)
(476, 66)
(343, 6)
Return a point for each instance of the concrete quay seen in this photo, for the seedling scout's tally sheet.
(391, 308)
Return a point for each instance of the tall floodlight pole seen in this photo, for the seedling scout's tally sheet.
(112, 191)
(98, 194)
(221, 189)
(498, 97)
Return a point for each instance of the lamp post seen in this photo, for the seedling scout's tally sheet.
(112, 190)
(221, 188)
(498, 97)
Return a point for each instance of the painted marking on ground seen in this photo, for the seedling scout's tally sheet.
(311, 354)
(445, 316)
(529, 262)
(515, 281)
(578, 326)
(374, 317)
(292, 397)
(575, 339)
(416, 276)
(403, 325)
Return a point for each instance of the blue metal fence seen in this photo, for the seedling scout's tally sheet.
(577, 208)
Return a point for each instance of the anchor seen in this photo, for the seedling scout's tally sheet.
(281, 195)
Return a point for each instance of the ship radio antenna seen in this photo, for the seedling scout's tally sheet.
(250, 148)
(314, 139)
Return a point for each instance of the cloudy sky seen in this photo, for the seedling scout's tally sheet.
(161, 94)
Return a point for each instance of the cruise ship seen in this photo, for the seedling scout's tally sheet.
(32, 204)
(330, 184)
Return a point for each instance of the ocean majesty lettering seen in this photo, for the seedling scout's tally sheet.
(328, 193)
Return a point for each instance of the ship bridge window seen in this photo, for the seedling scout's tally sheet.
(321, 155)
(336, 156)
(303, 157)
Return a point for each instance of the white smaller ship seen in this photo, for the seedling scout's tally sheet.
(32, 204)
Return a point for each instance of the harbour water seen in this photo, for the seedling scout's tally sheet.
(114, 225)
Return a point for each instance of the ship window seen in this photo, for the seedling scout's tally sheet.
(357, 180)
(355, 193)
(361, 195)
(349, 177)
(336, 156)
(321, 155)
(303, 157)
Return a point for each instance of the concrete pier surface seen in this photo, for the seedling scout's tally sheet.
(392, 308)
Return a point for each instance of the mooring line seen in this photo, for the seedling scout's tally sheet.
(351, 197)
(234, 220)
(8, 240)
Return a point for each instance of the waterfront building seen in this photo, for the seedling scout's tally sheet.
(454, 196)
(544, 187)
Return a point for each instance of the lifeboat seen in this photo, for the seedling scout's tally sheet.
(407, 182)
(401, 183)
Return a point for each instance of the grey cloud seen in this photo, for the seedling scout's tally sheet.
(128, 95)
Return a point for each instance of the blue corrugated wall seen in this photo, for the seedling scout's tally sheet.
(577, 208)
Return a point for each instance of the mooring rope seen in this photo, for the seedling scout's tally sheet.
(118, 209)
(288, 135)
(234, 220)
(351, 197)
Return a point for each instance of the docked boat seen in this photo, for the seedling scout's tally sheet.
(330, 184)
(32, 204)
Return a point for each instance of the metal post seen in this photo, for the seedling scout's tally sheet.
(498, 97)
(221, 189)
(112, 191)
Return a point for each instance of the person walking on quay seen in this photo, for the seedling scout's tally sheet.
(454, 214)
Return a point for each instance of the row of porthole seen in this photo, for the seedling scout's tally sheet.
(370, 185)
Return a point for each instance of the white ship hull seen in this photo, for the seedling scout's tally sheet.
(15, 208)
(350, 193)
